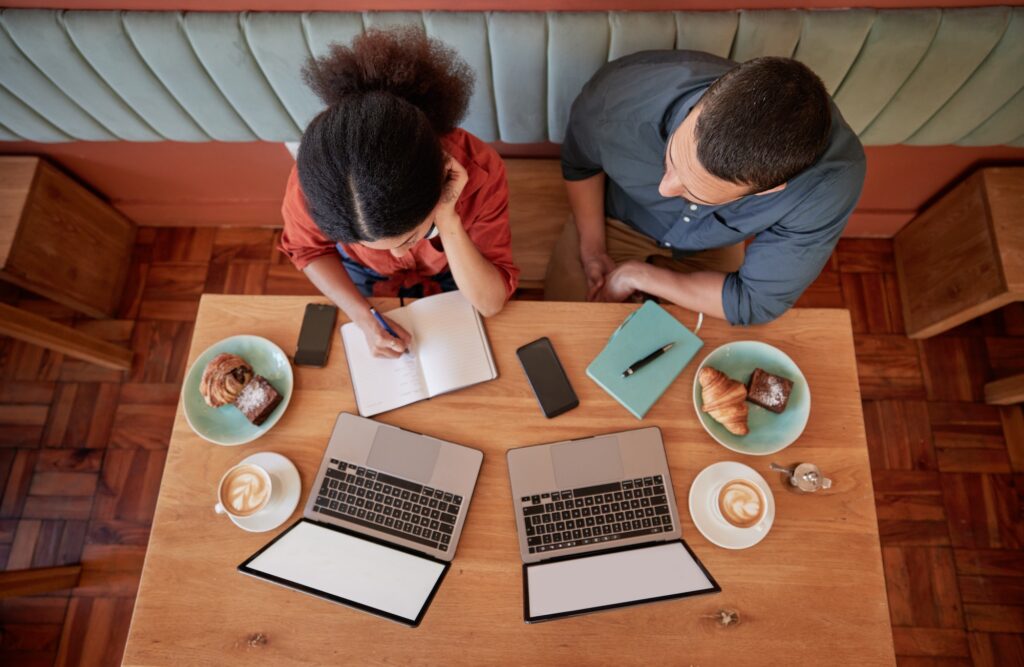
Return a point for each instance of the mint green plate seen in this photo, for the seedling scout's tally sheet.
(226, 425)
(769, 432)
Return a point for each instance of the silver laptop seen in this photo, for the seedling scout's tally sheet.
(381, 523)
(598, 526)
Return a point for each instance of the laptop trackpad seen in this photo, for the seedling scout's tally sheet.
(403, 454)
(586, 463)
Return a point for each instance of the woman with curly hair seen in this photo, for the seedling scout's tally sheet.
(389, 197)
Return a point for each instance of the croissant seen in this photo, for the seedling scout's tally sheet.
(724, 399)
(223, 379)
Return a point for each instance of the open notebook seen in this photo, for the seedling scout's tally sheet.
(449, 352)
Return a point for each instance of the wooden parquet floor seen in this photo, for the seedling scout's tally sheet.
(82, 450)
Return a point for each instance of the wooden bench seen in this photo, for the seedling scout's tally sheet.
(538, 208)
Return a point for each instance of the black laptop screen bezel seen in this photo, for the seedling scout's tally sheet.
(245, 569)
(630, 547)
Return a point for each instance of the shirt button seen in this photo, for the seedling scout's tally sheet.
(668, 245)
(686, 218)
(693, 207)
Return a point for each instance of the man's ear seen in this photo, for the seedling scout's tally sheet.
(777, 188)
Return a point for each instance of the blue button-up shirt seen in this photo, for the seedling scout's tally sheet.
(621, 123)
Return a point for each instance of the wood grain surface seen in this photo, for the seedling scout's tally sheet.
(538, 208)
(32, 328)
(60, 240)
(814, 584)
(963, 256)
(34, 581)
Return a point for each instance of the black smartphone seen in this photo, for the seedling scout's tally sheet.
(315, 335)
(547, 377)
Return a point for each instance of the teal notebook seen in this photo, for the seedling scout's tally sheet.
(647, 329)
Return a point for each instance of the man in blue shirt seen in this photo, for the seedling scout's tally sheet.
(672, 159)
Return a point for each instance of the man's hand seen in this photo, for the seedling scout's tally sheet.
(380, 342)
(621, 283)
(596, 267)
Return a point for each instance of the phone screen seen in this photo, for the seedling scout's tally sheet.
(547, 377)
(315, 335)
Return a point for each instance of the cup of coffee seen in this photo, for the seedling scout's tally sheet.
(244, 490)
(741, 503)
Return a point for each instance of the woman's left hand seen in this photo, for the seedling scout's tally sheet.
(455, 180)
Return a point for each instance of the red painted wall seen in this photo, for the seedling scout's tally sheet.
(169, 183)
(486, 5)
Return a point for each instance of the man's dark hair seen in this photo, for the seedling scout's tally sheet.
(763, 122)
(371, 165)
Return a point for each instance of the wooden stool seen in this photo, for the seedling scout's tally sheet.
(1006, 391)
(964, 256)
(59, 240)
(62, 242)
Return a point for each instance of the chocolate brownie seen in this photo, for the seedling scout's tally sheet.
(258, 399)
(769, 391)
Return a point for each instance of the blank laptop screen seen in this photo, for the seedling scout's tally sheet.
(349, 569)
(613, 579)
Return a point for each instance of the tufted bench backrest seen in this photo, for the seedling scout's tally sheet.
(921, 76)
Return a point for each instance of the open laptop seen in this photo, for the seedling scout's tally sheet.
(598, 526)
(381, 524)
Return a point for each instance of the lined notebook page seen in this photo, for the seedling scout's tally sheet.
(384, 384)
(451, 344)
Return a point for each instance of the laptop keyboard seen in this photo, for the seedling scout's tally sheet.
(596, 514)
(392, 505)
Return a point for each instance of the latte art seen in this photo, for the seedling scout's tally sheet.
(245, 490)
(741, 503)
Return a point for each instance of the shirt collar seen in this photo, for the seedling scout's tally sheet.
(677, 113)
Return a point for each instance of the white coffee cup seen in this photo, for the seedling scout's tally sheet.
(741, 503)
(244, 490)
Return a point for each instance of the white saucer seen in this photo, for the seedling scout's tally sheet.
(287, 487)
(704, 506)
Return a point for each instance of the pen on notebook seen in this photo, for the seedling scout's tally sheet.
(635, 366)
(384, 323)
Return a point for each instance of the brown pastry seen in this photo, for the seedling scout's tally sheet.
(258, 399)
(223, 379)
(769, 391)
(724, 399)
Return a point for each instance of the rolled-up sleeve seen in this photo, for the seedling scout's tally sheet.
(301, 239)
(786, 258)
(489, 226)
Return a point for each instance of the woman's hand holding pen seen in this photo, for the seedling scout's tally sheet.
(380, 342)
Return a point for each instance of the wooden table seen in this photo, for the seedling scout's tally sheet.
(812, 591)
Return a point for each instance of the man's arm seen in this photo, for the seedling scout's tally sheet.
(778, 265)
(585, 179)
(586, 199)
(700, 291)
